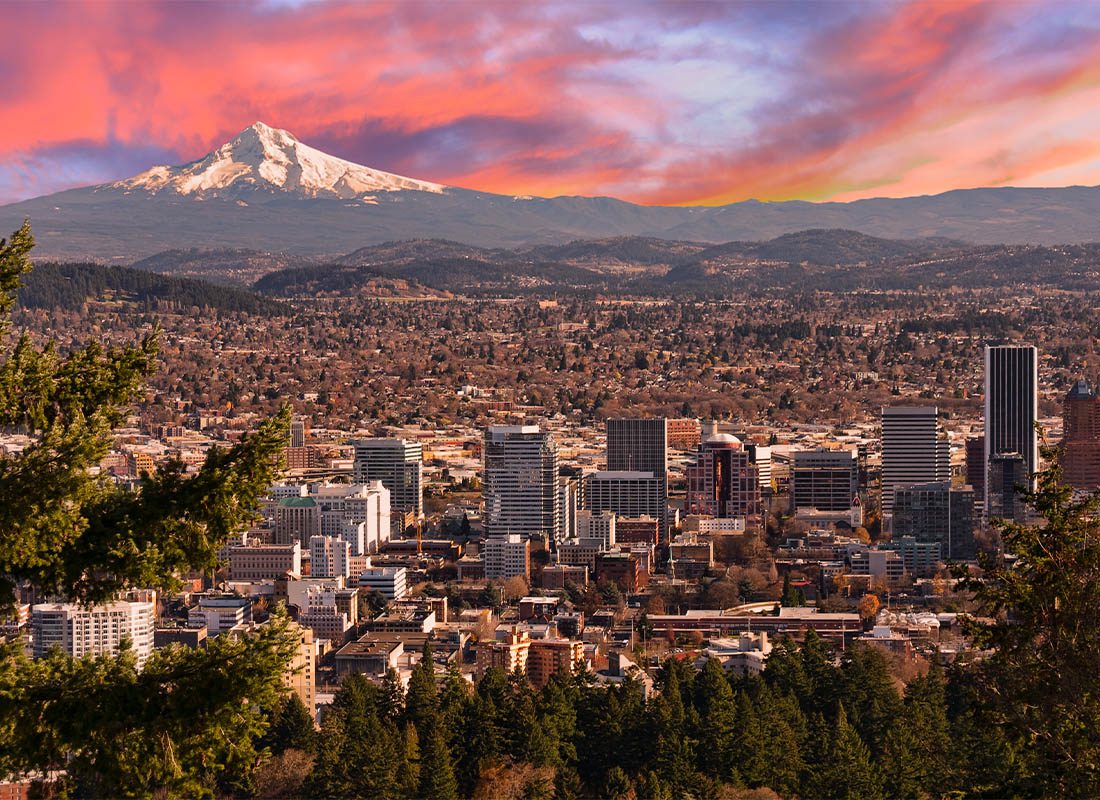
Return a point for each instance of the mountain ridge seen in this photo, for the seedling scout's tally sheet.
(265, 190)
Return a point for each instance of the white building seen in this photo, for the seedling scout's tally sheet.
(596, 525)
(914, 451)
(628, 493)
(329, 557)
(392, 582)
(506, 556)
(93, 631)
(220, 614)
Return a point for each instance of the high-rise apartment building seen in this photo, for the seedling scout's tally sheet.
(1011, 411)
(641, 445)
(399, 465)
(520, 483)
(1008, 475)
(723, 482)
(94, 630)
(1080, 456)
(506, 556)
(937, 512)
(914, 450)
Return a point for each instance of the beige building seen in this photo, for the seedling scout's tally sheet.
(547, 656)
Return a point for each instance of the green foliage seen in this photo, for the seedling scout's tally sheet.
(185, 724)
(188, 724)
(1039, 683)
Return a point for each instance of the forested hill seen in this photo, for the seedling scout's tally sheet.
(52, 285)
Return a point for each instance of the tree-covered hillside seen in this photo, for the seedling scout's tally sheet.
(53, 285)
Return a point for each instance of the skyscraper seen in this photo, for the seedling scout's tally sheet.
(641, 445)
(627, 493)
(1011, 409)
(1080, 458)
(914, 451)
(724, 482)
(520, 483)
(399, 465)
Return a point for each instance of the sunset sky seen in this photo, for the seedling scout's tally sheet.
(658, 103)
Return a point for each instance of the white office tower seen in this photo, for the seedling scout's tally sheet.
(520, 483)
(641, 445)
(94, 630)
(329, 557)
(597, 525)
(359, 513)
(1011, 407)
(399, 465)
(914, 450)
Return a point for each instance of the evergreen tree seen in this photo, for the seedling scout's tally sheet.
(917, 753)
(847, 772)
(189, 721)
(717, 722)
(408, 776)
(1041, 622)
(291, 727)
(437, 776)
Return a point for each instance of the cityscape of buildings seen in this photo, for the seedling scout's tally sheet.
(522, 546)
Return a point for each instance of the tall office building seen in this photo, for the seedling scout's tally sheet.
(1007, 475)
(638, 445)
(399, 465)
(628, 493)
(298, 432)
(641, 445)
(914, 450)
(1080, 456)
(329, 557)
(1011, 410)
(724, 482)
(827, 480)
(520, 483)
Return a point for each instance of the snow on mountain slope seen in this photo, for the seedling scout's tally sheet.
(266, 158)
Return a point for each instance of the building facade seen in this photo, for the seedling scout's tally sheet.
(94, 630)
(398, 464)
(520, 483)
(1011, 411)
(723, 482)
(1080, 453)
(937, 512)
(914, 450)
(827, 480)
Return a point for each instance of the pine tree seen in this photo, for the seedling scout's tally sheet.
(1040, 620)
(848, 773)
(189, 722)
(408, 776)
(717, 722)
(437, 776)
(291, 728)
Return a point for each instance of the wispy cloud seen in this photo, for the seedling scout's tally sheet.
(655, 102)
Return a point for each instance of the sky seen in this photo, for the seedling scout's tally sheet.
(671, 103)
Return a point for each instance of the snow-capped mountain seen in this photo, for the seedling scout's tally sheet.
(262, 157)
(267, 191)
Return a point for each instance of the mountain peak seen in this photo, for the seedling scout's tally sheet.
(265, 159)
